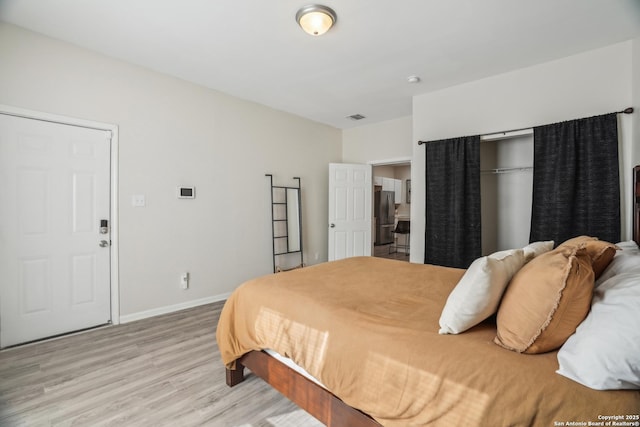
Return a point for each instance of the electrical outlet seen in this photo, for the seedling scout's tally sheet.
(184, 280)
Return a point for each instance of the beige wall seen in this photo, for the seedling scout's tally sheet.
(379, 142)
(175, 133)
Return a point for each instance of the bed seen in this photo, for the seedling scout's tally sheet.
(363, 345)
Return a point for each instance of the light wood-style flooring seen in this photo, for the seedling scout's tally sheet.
(162, 371)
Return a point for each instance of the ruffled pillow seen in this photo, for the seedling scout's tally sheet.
(545, 301)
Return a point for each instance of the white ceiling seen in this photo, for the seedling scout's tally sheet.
(254, 49)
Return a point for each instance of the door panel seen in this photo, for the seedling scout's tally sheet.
(340, 209)
(350, 207)
(339, 246)
(359, 210)
(83, 192)
(83, 279)
(54, 190)
(32, 211)
(360, 243)
(35, 285)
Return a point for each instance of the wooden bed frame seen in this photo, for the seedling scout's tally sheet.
(318, 401)
(305, 393)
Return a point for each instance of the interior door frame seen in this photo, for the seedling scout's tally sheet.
(398, 161)
(114, 247)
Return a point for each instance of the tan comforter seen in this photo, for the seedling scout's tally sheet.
(367, 328)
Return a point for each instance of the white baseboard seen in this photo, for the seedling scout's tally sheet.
(171, 308)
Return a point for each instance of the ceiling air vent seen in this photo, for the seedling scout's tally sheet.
(355, 117)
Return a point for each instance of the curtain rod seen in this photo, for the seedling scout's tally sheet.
(628, 110)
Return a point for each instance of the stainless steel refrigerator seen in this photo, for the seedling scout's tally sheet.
(384, 210)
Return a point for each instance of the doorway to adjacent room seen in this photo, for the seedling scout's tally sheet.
(391, 222)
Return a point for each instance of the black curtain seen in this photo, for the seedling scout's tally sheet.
(452, 235)
(576, 184)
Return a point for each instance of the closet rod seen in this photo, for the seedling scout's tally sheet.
(507, 170)
(628, 110)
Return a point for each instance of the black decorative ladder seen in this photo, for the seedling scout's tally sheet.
(286, 225)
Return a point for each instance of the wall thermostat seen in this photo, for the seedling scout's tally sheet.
(187, 193)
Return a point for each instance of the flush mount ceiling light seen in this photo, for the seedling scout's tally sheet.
(316, 19)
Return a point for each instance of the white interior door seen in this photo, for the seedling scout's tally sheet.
(350, 190)
(55, 263)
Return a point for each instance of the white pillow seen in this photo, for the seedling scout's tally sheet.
(629, 245)
(604, 352)
(478, 293)
(534, 249)
(625, 260)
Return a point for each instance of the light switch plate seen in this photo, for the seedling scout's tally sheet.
(137, 200)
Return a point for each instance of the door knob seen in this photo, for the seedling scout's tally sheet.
(103, 243)
(332, 225)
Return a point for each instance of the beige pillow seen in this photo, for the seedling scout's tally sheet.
(600, 252)
(546, 301)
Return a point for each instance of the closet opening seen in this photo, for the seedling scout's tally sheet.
(506, 189)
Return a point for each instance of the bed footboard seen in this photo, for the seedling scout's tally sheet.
(311, 397)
